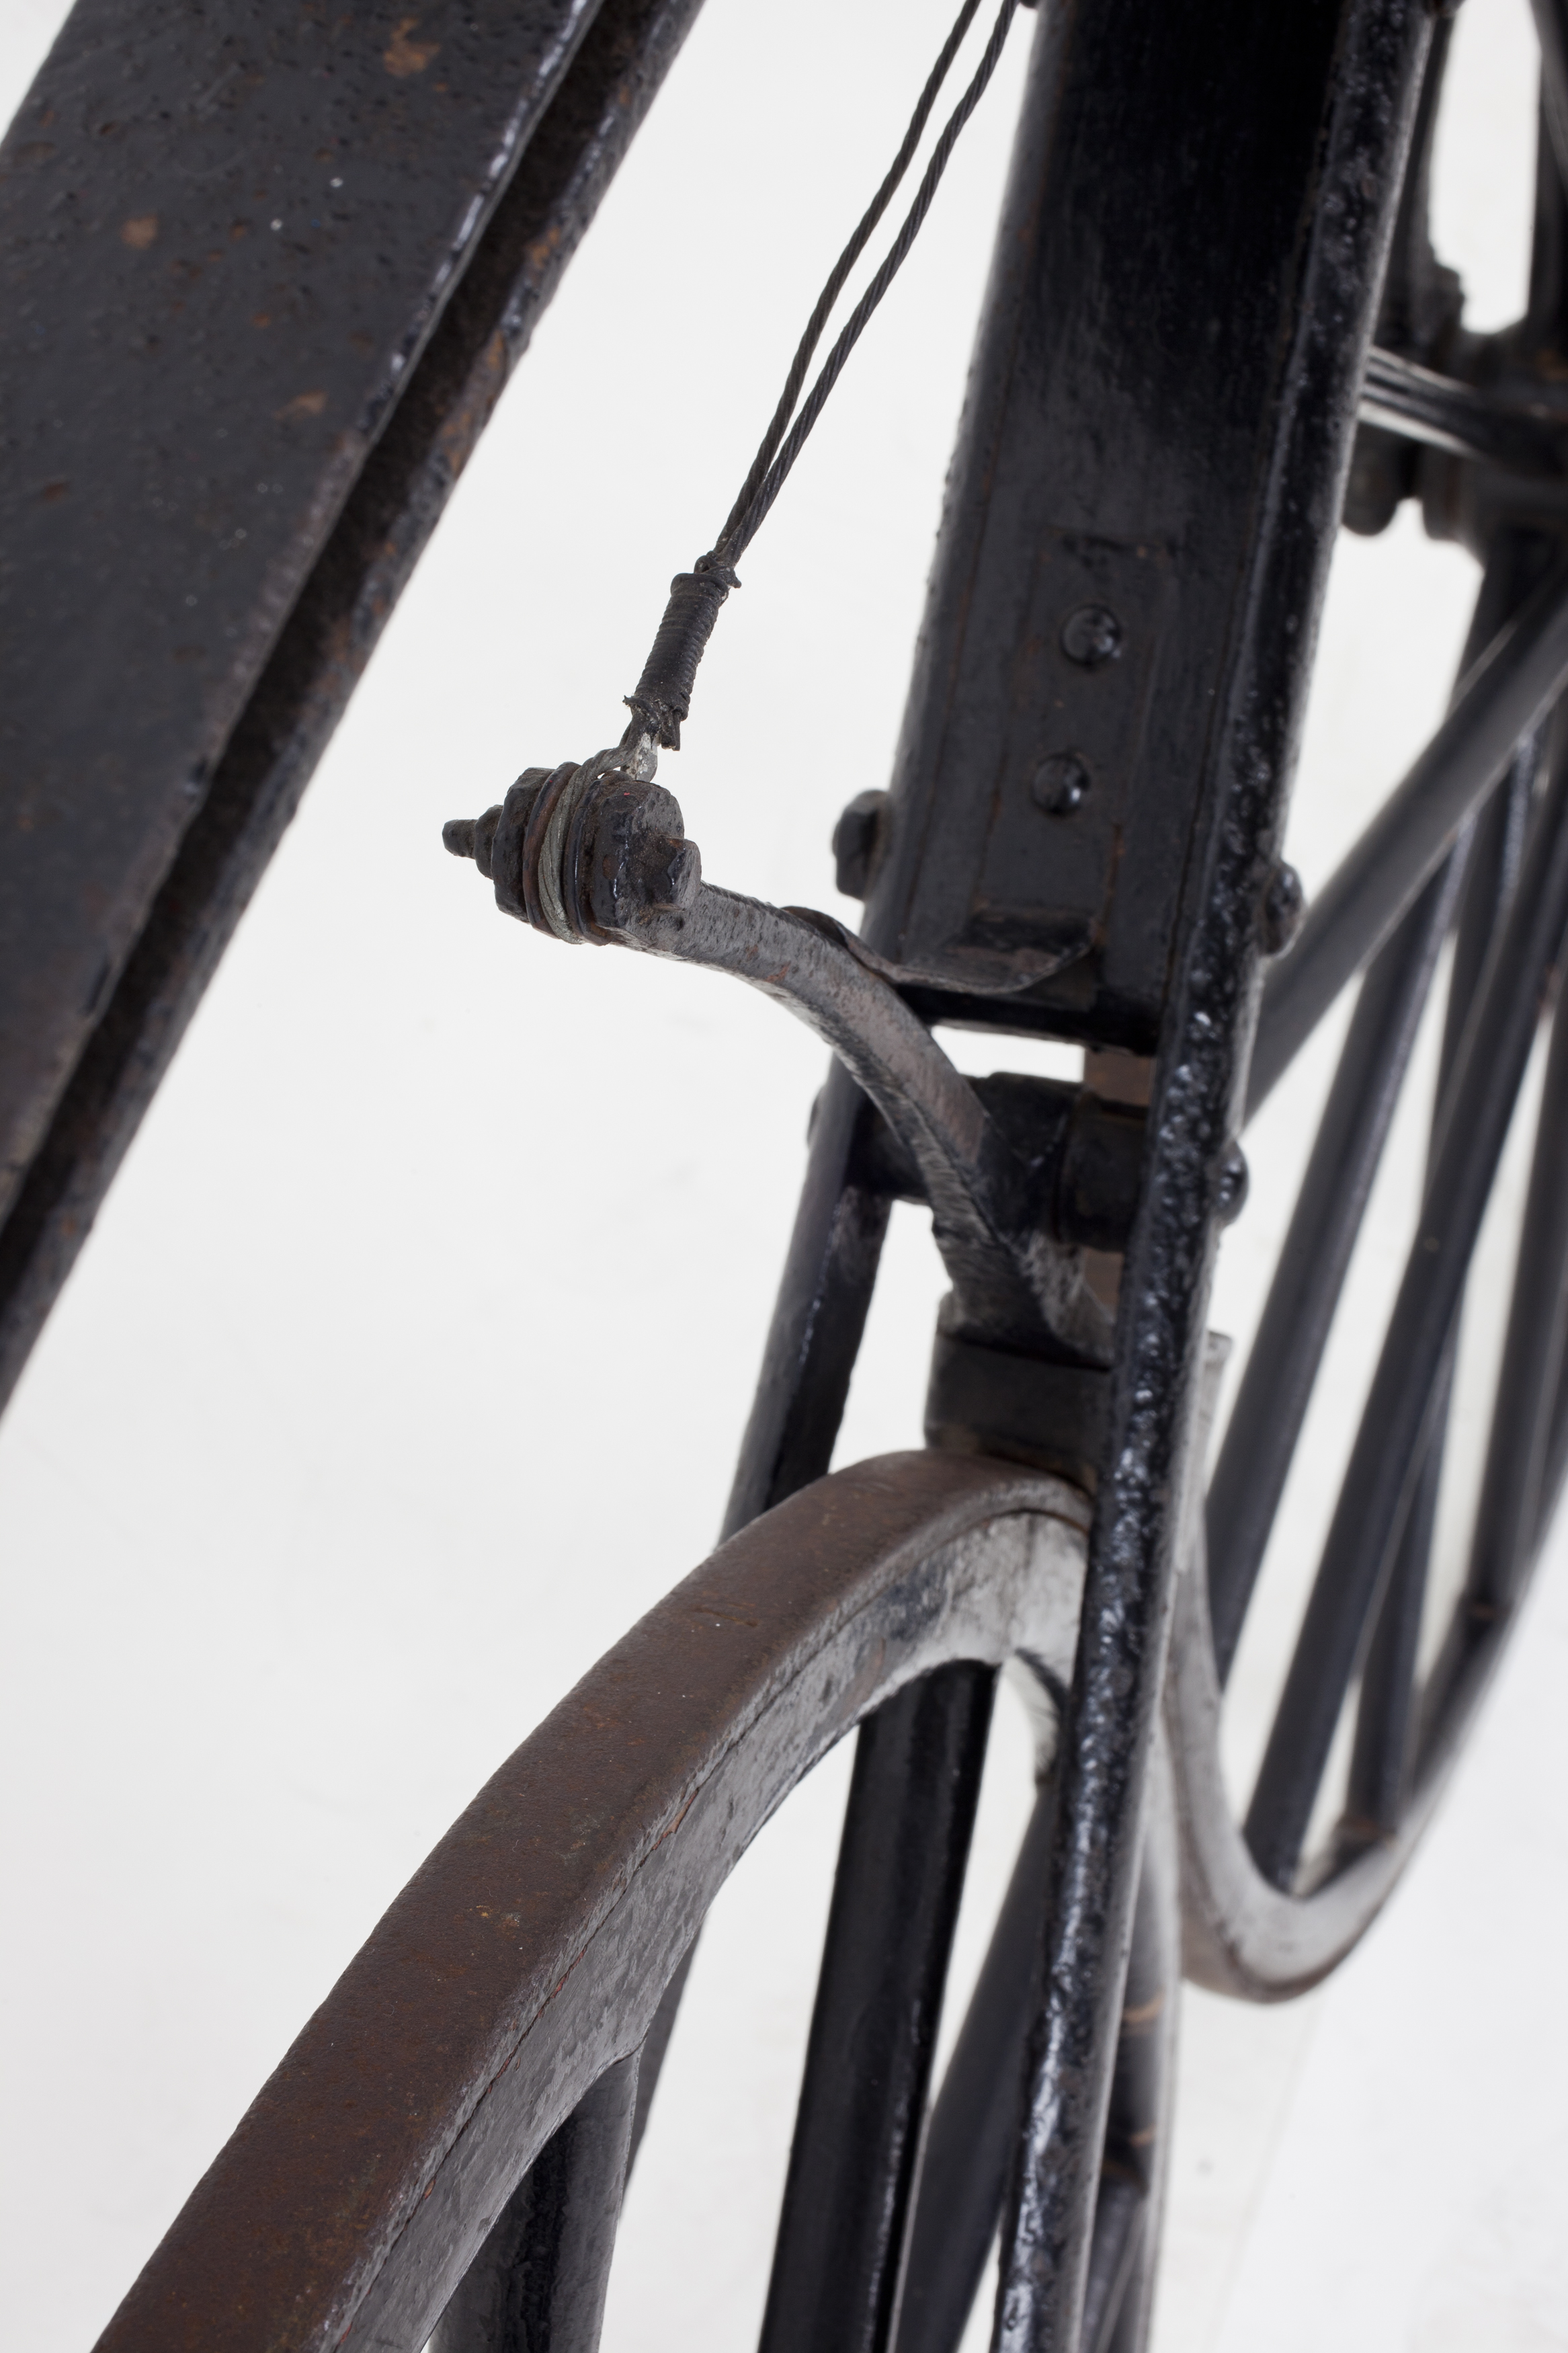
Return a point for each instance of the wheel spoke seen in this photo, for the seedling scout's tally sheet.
(1533, 1357)
(974, 2122)
(538, 2283)
(1416, 292)
(1556, 1471)
(1420, 300)
(825, 1295)
(1386, 1706)
(1401, 397)
(1119, 2214)
(1547, 309)
(1374, 1799)
(656, 2045)
(1520, 1467)
(1491, 877)
(1552, 32)
(1132, 2171)
(852, 2164)
(1378, 1483)
(1265, 1423)
(973, 2127)
(1500, 700)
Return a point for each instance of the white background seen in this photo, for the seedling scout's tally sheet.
(409, 1357)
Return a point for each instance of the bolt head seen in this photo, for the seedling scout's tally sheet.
(1283, 910)
(638, 859)
(1234, 1181)
(1062, 782)
(1091, 636)
(662, 870)
(857, 842)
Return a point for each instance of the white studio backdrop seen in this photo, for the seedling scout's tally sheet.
(409, 1357)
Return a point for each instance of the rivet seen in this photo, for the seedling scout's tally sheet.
(1234, 1181)
(1091, 636)
(1283, 910)
(1061, 783)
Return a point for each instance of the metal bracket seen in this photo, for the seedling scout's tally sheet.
(598, 854)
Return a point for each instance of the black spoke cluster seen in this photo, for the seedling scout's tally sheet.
(1473, 845)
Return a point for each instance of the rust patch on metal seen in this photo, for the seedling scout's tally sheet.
(403, 57)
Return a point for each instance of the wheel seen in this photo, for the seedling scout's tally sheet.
(445, 2146)
(1470, 856)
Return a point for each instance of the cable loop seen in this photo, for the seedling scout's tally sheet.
(554, 838)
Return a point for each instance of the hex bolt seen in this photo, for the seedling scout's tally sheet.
(858, 839)
(1061, 783)
(658, 870)
(1091, 636)
(1283, 911)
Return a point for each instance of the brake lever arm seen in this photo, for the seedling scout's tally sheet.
(600, 855)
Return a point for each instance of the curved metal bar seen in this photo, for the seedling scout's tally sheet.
(990, 1229)
(1404, 397)
(530, 1952)
(1501, 698)
(636, 880)
(1240, 1934)
(801, 965)
(1377, 1483)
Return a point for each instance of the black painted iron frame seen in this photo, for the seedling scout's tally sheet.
(1213, 504)
(1247, 637)
(1191, 470)
(225, 621)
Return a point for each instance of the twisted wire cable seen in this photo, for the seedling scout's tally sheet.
(843, 266)
(662, 698)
